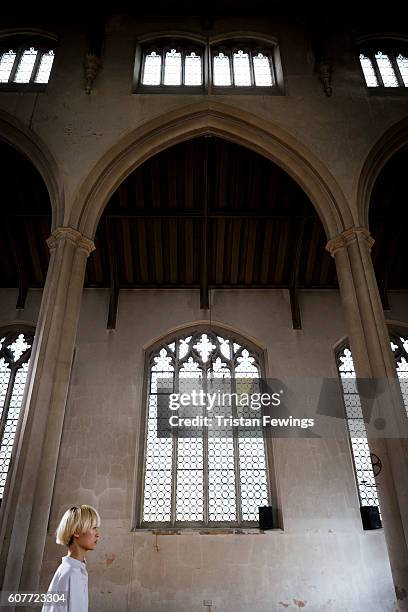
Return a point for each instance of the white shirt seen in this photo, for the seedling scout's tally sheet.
(71, 576)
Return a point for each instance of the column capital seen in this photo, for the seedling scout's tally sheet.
(75, 237)
(350, 235)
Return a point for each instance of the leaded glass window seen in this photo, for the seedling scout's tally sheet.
(358, 435)
(244, 66)
(399, 346)
(384, 69)
(15, 350)
(28, 65)
(172, 66)
(355, 422)
(194, 67)
(201, 476)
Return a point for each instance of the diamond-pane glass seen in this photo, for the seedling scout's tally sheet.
(242, 72)
(14, 355)
(402, 62)
(6, 65)
(152, 69)
(386, 70)
(10, 426)
(358, 434)
(192, 70)
(368, 70)
(202, 473)
(44, 69)
(172, 68)
(262, 70)
(222, 71)
(25, 66)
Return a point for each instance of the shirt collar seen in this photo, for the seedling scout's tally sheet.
(74, 562)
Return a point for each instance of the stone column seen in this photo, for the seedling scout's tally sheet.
(27, 506)
(370, 346)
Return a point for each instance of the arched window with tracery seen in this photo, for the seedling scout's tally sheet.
(399, 346)
(365, 464)
(15, 351)
(362, 459)
(202, 478)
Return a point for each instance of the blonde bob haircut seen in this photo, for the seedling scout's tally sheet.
(76, 519)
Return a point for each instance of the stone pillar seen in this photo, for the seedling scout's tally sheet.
(370, 346)
(26, 510)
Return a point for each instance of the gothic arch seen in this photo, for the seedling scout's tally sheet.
(226, 122)
(26, 142)
(383, 150)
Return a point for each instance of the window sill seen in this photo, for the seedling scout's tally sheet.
(23, 87)
(206, 531)
(387, 91)
(214, 91)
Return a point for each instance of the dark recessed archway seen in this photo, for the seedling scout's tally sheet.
(25, 219)
(388, 218)
(210, 213)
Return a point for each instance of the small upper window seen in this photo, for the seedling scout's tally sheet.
(173, 65)
(186, 66)
(385, 68)
(25, 65)
(242, 66)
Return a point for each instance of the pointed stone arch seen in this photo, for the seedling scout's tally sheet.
(390, 143)
(223, 121)
(14, 133)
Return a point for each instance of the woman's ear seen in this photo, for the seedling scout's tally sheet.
(76, 534)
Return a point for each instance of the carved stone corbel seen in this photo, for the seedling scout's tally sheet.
(92, 65)
(324, 69)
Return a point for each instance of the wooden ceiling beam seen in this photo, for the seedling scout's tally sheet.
(113, 277)
(190, 214)
(294, 284)
(19, 262)
(204, 292)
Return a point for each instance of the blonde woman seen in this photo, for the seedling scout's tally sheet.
(79, 531)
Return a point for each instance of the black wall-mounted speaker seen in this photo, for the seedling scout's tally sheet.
(265, 517)
(370, 516)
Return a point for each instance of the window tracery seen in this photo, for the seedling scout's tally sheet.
(358, 435)
(201, 477)
(15, 351)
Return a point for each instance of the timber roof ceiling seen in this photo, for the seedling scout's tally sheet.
(204, 213)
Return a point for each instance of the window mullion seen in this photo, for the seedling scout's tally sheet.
(251, 67)
(376, 69)
(183, 66)
(7, 401)
(205, 458)
(238, 503)
(175, 443)
(40, 53)
(396, 69)
(230, 55)
(17, 60)
(164, 51)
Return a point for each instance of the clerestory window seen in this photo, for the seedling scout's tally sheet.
(173, 65)
(242, 66)
(15, 351)
(189, 67)
(201, 475)
(385, 68)
(26, 66)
